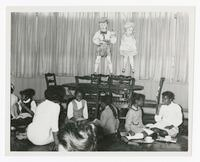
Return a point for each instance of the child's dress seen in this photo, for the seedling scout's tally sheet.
(77, 110)
(128, 46)
(134, 120)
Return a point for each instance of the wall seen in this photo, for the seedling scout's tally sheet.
(150, 87)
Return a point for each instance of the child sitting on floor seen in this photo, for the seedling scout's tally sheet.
(109, 117)
(44, 128)
(77, 137)
(24, 109)
(134, 125)
(77, 108)
(168, 117)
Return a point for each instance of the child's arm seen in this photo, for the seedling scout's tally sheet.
(15, 110)
(103, 119)
(27, 109)
(159, 114)
(85, 111)
(96, 39)
(56, 141)
(128, 122)
(33, 106)
(70, 111)
(113, 38)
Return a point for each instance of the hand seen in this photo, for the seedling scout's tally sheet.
(55, 147)
(131, 133)
(169, 127)
(95, 121)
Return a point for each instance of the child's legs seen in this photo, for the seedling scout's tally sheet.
(97, 62)
(160, 132)
(108, 60)
(131, 60)
(125, 59)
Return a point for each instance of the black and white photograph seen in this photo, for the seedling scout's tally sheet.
(100, 80)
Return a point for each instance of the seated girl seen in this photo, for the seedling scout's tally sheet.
(134, 125)
(77, 108)
(44, 128)
(77, 137)
(109, 117)
(24, 109)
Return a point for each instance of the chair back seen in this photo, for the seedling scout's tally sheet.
(50, 79)
(104, 79)
(95, 78)
(83, 79)
(162, 79)
(122, 85)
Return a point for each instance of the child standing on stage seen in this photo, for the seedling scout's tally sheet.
(128, 46)
(104, 39)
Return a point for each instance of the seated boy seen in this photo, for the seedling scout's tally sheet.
(109, 117)
(168, 117)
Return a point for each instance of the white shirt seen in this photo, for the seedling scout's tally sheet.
(45, 121)
(98, 37)
(79, 106)
(169, 115)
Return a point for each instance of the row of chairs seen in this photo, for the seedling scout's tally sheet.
(118, 94)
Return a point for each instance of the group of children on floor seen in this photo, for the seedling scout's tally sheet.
(76, 133)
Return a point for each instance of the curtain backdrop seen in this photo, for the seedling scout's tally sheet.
(62, 43)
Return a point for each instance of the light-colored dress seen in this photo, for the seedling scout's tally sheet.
(134, 120)
(128, 46)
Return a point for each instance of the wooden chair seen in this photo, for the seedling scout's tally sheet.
(50, 79)
(155, 103)
(121, 88)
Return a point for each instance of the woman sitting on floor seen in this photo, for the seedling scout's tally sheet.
(77, 137)
(77, 108)
(43, 130)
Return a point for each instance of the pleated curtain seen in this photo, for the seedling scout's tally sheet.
(62, 43)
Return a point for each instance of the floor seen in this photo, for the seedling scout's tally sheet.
(113, 144)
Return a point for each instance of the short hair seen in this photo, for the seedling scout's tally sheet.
(28, 92)
(103, 20)
(78, 91)
(169, 94)
(77, 137)
(137, 96)
(107, 99)
(55, 93)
